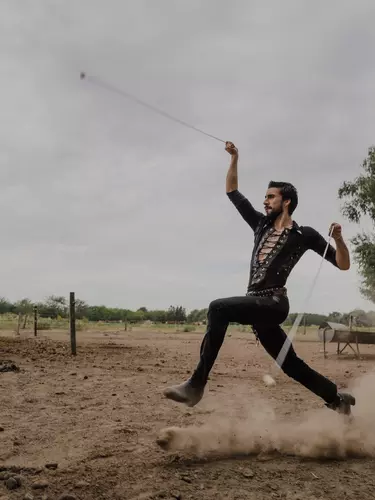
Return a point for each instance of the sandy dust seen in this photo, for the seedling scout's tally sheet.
(318, 434)
(96, 418)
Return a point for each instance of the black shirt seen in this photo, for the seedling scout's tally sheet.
(274, 270)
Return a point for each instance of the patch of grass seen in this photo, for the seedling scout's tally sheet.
(188, 328)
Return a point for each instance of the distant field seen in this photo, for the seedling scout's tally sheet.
(9, 322)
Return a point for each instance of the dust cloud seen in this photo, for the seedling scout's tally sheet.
(318, 434)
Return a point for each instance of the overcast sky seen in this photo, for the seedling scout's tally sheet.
(105, 198)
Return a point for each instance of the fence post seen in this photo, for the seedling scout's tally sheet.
(19, 323)
(35, 321)
(72, 316)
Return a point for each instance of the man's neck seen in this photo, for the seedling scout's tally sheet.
(283, 220)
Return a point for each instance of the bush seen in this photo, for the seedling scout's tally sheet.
(59, 324)
(44, 324)
(188, 328)
(81, 325)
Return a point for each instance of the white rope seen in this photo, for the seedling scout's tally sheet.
(111, 88)
(291, 334)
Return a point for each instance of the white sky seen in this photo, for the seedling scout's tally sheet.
(105, 198)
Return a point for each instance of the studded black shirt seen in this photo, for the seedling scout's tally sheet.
(274, 270)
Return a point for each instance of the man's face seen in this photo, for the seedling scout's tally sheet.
(273, 202)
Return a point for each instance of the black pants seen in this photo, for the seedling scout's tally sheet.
(265, 314)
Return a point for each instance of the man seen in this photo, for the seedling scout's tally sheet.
(279, 243)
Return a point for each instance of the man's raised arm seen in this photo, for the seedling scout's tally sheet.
(245, 208)
(339, 257)
(342, 252)
(232, 175)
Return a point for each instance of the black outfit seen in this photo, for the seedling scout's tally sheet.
(265, 305)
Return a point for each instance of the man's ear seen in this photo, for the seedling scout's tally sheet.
(286, 203)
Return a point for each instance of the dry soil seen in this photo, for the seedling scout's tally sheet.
(88, 426)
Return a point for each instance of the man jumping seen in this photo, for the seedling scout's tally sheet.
(279, 243)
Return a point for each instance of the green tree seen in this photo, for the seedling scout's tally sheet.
(24, 306)
(177, 314)
(335, 317)
(81, 309)
(359, 201)
(193, 316)
(103, 313)
(97, 313)
(53, 306)
(6, 306)
(24, 309)
(157, 316)
(309, 319)
(202, 316)
(197, 315)
(143, 313)
(135, 316)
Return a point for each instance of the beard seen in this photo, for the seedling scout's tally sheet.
(273, 214)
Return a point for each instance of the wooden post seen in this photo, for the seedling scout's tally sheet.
(72, 315)
(35, 321)
(356, 342)
(19, 323)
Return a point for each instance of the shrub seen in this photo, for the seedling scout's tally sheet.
(44, 324)
(81, 325)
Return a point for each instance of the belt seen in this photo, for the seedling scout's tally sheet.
(267, 292)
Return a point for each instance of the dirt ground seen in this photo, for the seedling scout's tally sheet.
(86, 427)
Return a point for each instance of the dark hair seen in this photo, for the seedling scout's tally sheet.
(288, 192)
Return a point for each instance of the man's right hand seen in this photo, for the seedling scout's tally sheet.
(231, 148)
(232, 176)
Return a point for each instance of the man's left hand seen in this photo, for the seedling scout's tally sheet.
(336, 231)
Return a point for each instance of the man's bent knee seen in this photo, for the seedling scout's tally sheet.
(216, 305)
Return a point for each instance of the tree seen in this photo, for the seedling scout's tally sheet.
(176, 314)
(157, 316)
(6, 306)
(197, 315)
(335, 317)
(135, 317)
(53, 307)
(81, 309)
(309, 319)
(23, 308)
(359, 196)
(193, 316)
(97, 313)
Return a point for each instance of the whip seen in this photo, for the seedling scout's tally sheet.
(127, 95)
